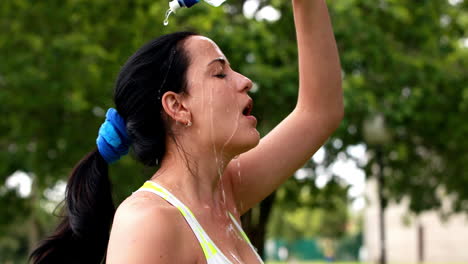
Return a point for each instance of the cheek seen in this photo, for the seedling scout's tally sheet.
(215, 102)
(228, 104)
(219, 96)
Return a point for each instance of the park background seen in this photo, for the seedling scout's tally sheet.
(405, 80)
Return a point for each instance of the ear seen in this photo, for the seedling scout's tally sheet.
(174, 106)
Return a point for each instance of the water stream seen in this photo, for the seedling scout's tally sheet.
(166, 19)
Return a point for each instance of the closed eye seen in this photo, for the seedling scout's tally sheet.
(221, 75)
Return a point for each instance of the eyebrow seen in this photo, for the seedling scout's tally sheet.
(220, 60)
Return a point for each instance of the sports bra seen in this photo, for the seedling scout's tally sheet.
(212, 253)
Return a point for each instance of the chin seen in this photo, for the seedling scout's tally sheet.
(249, 142)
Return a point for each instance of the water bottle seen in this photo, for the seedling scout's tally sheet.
(176, 4)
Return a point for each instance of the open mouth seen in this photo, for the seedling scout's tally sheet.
(248, 108)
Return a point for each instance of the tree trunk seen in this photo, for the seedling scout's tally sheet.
(33, 225)
(255, 223)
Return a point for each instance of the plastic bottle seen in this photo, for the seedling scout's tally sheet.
(176, 4)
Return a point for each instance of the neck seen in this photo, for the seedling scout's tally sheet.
(194, 176)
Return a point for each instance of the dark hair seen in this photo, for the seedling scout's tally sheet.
(82, 235)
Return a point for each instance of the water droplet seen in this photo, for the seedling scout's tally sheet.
(166, 19)
(235, 258)
(234, 131)
(239, 171)
(224, 195)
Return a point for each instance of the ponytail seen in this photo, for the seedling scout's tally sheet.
(83, 233)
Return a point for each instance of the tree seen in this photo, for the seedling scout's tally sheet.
(310, 212)
(407, 61)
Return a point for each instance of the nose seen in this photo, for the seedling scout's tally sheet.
(246, 83)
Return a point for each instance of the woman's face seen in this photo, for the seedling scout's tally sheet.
(218, 101)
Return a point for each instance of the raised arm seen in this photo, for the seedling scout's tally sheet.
(317, 114)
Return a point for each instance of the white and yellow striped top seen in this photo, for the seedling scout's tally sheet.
(212, 253)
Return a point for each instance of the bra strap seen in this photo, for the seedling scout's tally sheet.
(208, 247)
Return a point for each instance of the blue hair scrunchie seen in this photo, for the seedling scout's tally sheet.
(113, 141)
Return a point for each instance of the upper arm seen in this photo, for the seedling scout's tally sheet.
(143, 235)
(278, 155)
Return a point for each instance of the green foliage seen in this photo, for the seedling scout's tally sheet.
(302, 211)
(349, 246)
(406, 61)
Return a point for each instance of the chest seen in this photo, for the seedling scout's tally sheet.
(232, 242)
(227, 240)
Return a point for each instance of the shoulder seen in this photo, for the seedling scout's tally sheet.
(147, 229)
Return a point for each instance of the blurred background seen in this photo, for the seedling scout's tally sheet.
(391, 184)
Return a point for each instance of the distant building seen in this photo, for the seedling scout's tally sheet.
(427, 237)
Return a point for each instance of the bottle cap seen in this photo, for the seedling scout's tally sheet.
(174, 5)
(189, 3)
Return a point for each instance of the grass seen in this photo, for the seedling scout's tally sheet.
(324, 262)
(309, 262)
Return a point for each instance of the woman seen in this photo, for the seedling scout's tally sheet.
(181, 106)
